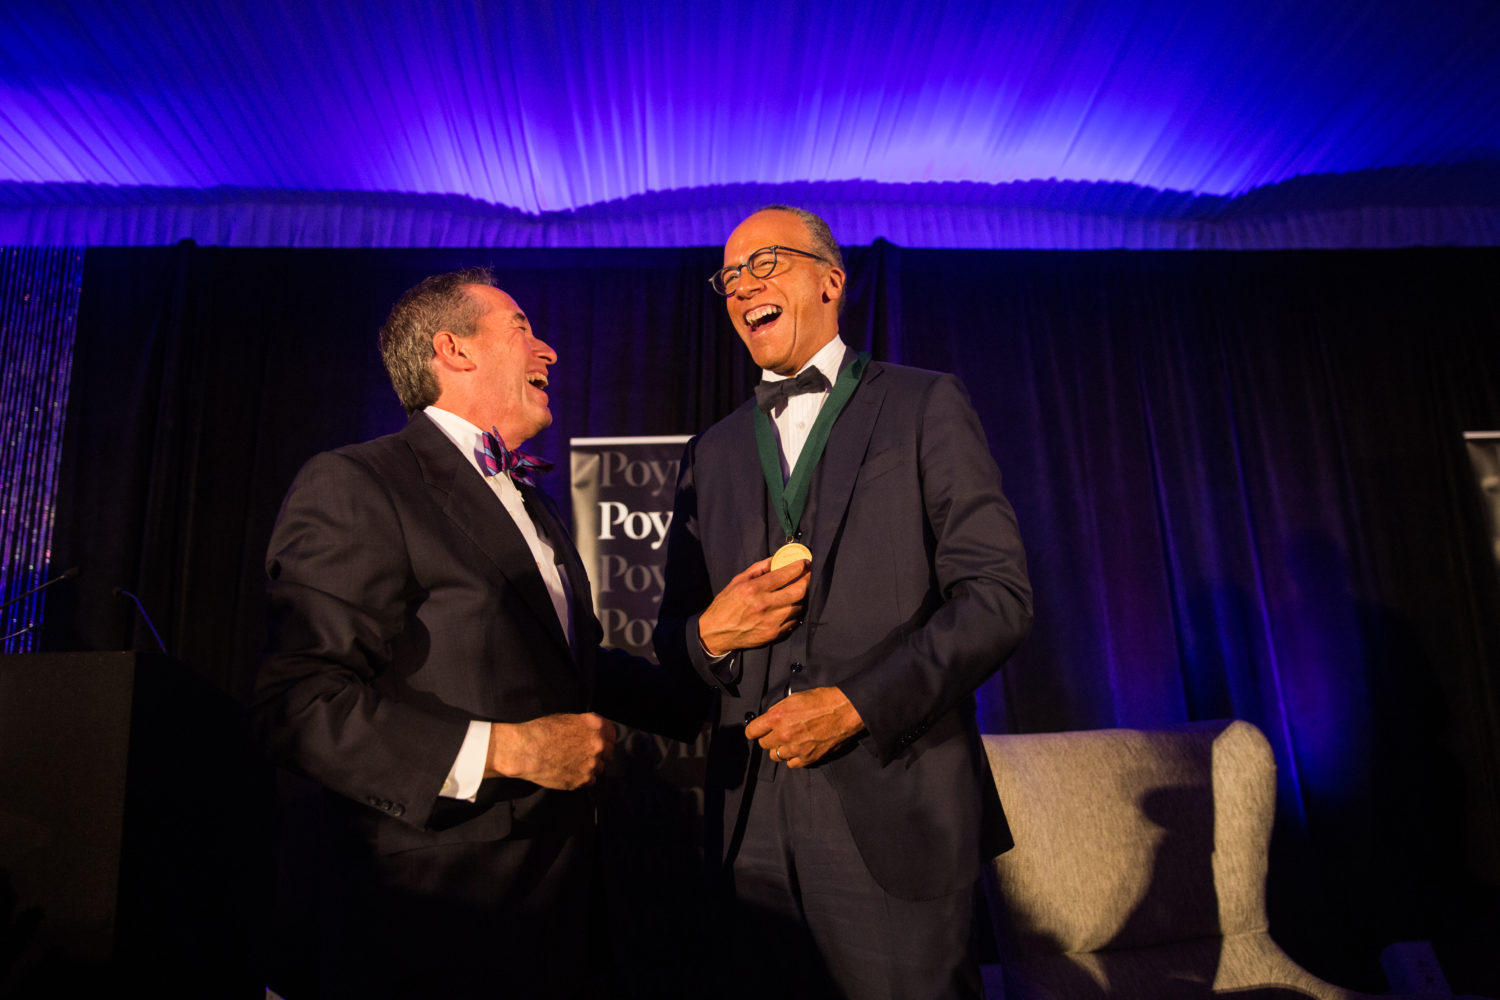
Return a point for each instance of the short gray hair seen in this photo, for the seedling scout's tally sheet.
(821, 236)
(437, 303)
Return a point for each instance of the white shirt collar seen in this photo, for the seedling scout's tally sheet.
(468, 438)
(826, 361)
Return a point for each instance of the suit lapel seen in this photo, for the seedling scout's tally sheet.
(834, 479)
(839, 468)
(473, 508)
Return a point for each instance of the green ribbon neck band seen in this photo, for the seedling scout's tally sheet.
(790, 498)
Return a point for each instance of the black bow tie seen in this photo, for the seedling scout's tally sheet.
(769, 395)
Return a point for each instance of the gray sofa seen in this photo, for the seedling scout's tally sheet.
(1139, 870)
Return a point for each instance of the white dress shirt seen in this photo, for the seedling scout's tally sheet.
(794, 420)
(468, 768)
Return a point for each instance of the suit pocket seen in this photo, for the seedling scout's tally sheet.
(492, 823)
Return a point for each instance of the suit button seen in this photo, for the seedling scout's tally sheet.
(796, 667)
(749, 718)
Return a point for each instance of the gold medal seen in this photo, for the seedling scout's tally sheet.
(789, 553)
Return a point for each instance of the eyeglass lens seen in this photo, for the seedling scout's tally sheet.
(762, 264)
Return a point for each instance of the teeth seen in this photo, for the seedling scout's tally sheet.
(537, 379)
(761, 314)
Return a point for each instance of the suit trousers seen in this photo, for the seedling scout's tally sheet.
(807, 920)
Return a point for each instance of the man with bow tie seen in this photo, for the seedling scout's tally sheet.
(434, 662)
(849, 799)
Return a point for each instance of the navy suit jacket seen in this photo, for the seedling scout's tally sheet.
(918, 593)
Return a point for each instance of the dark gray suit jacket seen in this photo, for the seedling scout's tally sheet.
(404, 602)
(919, 592)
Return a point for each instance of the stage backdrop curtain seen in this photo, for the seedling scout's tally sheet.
(1240, 478)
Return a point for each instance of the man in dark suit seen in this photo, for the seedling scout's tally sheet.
(857, 805)
(434, 660)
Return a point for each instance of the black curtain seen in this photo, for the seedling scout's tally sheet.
(1240, 477)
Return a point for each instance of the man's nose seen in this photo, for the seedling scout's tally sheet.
(540, 348)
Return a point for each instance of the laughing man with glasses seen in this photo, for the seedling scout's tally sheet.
(843, 572)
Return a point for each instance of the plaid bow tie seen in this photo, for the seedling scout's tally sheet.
(495, 458)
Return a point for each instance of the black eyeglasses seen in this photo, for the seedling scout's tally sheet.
(762, 264)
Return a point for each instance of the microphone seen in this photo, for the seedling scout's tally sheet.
(66, 574)
(122, 592)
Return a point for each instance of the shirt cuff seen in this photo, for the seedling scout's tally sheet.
(725, 666)
(468, 768)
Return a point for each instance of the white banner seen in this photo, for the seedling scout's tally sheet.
(622, 508)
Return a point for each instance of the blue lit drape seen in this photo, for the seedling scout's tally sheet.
(39, 289)
(1079, 124)
(1433, 206)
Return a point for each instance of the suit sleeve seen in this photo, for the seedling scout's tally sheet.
(688, 590)
(640, 694)
(339, 595)
(982, 595)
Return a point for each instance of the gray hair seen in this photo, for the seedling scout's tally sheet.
(821, 236)
(436, 303)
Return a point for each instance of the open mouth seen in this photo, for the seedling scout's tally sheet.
(537, 379)
(761, 315)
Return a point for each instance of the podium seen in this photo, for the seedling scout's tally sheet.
(132, 828)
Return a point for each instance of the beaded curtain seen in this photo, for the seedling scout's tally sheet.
(39, 288)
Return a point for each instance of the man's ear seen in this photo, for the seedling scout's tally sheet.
(449, 353)
(833, 284)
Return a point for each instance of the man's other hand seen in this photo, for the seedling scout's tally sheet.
(806, 726)
(556, 751)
